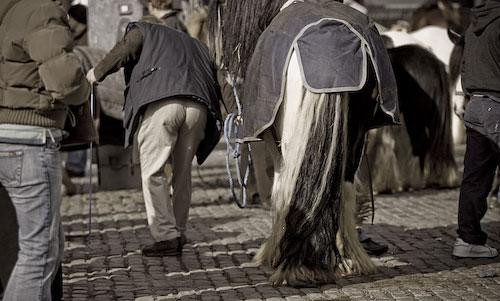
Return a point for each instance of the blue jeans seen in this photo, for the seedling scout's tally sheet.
(31, 175)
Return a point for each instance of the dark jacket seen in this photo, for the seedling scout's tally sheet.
(166, 63)
(481, 65)
(39, 74)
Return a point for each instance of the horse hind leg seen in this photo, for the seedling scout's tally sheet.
(353, 257)
(313, 231)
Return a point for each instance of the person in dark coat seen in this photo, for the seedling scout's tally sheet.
(481, 80)
(172, 104)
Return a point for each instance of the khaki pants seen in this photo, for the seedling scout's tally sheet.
(168, 138)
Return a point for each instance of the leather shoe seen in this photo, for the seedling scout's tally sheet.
(373, 248)
(171, 247)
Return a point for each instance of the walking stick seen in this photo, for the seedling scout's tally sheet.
(92, 112)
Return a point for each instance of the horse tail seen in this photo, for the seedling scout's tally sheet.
(442, 167)
(426, 108)
(313, 237)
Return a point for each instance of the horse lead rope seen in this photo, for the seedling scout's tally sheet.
(231, 132)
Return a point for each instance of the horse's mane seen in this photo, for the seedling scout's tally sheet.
(242, 22)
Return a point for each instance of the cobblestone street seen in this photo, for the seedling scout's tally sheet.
(217, 264)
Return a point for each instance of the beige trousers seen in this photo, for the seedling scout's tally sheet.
(168, 138)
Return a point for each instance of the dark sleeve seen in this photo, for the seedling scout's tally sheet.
(125, 51)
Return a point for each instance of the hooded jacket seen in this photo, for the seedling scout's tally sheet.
(39, 74)
(481, 65)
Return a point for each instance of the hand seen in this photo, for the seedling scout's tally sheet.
(91, 76)
(197, 15)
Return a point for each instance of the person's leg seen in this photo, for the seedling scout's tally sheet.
(76, 162)
(264, 170)
(191, 134)
(157, 137)
(57, 285)
(8, 238)
(32, 178)
(480, 162)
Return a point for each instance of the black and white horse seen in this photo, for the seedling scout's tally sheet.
(317, 141)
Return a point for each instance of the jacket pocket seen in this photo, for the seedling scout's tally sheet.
(11, 165)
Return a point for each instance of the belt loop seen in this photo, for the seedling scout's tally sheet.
(50, 135)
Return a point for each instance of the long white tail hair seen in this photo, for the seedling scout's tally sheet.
(313, 239)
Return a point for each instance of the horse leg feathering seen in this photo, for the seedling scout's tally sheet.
(313, 239)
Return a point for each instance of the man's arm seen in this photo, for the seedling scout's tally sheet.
(50, 45)
(125, 51)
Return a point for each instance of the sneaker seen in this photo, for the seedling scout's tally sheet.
(373, 248)
(465, 250)
(172, 247)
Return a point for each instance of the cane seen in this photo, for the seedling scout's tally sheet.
(92, 104)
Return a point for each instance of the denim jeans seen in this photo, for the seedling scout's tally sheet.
(31, 175)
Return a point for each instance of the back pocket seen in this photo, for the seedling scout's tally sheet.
(11, 165)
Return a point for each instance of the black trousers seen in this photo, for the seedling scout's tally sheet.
(481, 160)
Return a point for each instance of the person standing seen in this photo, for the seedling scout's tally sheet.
(39, 78)
(77, 159)
(481, 80)
(172, 104)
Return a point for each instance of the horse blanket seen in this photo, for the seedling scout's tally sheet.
(335, 45)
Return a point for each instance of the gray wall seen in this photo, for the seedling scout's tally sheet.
(107, 20)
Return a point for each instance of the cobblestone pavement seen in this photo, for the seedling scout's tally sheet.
(217, 264)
